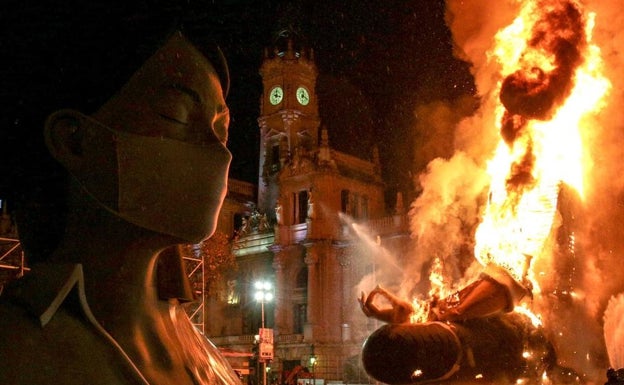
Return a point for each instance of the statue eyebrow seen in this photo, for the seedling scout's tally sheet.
(188, 91)
(221, 108)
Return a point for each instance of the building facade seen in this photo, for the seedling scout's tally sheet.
(311, 230)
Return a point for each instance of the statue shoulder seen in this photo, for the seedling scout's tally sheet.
(65, 351)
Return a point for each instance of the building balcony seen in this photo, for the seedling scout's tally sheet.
(248, 340)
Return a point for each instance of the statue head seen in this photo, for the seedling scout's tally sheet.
(133, 104)
(154, 154)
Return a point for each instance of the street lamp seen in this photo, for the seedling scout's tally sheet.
(313, 364)
(264, 293)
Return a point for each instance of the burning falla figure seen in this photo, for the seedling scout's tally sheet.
(472, 334)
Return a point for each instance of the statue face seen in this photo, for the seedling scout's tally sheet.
(175, 94)
(175, 187)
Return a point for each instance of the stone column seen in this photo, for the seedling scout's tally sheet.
(344, 259)
(313, 308)
(280, 312)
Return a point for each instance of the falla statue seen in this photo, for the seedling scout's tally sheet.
(140, 166)
(473, 335)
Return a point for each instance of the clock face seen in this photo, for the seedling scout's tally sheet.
(276, 95)
(303, 96)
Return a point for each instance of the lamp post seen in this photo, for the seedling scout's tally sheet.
(264, 293)
(313, 364)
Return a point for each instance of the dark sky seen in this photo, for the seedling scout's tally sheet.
(377, 61)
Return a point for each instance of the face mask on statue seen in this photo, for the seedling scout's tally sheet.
(165, 185)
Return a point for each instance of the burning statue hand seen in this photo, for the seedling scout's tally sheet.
(398, 312)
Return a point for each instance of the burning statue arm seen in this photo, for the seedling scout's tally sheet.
(495, 291)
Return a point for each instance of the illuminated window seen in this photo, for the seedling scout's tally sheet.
(233, 295)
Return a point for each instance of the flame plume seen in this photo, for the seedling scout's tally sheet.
(547, 66)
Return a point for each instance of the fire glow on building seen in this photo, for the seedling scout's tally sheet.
(544, 89)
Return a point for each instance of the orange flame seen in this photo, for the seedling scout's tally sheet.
(439, 289)
(550, 80)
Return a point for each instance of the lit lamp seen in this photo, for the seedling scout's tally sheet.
(313, 364)
(263, 294)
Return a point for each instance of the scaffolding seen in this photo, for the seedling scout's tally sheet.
(12, 264)
(194, 266)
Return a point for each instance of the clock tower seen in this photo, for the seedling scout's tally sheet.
(301, 238)
(289, 119)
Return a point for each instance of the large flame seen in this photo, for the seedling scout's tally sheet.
(539, 78)
(550, 79)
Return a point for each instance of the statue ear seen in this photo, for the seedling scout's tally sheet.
(65, 138)
(86, 152)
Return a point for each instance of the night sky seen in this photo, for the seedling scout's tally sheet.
(377, 61)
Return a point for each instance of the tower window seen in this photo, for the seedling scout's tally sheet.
(300, 207)
(275, 157)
